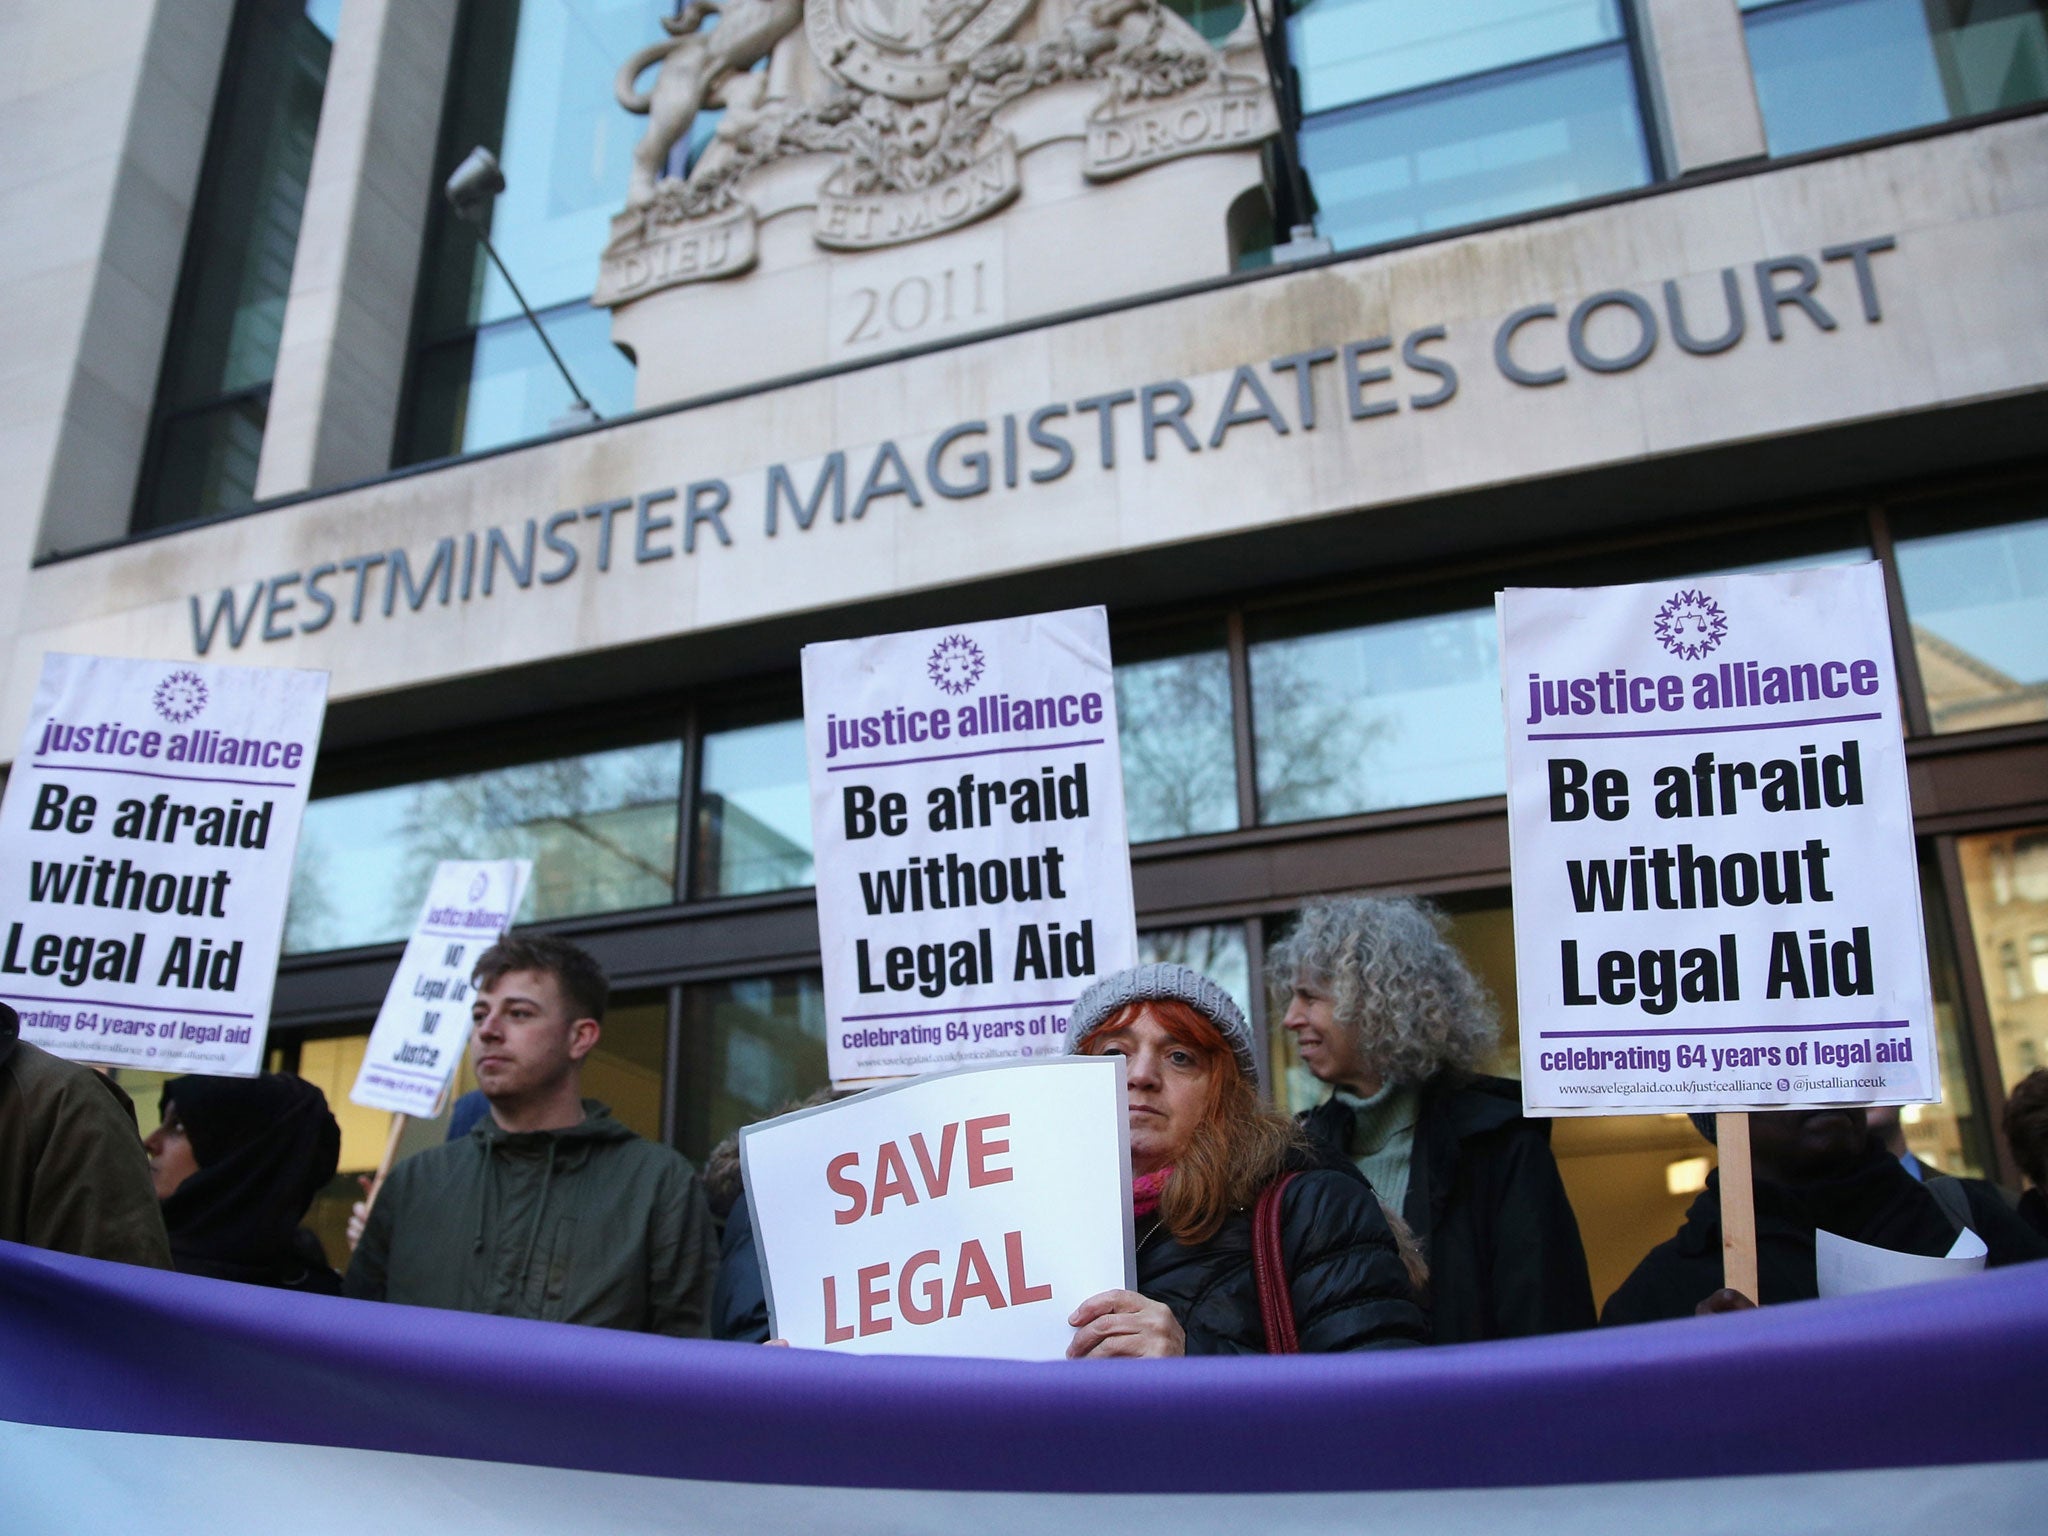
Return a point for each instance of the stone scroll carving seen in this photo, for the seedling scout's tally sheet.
(904, 112)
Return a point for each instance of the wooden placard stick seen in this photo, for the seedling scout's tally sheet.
(384, 1168)
(1738, 1205)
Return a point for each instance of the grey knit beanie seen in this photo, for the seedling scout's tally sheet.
(1161, 980)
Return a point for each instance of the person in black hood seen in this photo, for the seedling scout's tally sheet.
(1207, 1161)
(237, 1162)
(1813, 1169)
(1385, 1010)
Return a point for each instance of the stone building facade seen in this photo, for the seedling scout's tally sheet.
(910, 314)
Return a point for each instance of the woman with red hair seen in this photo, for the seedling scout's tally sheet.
(1246, 1242)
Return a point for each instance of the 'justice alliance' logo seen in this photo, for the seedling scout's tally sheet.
(180, 697)
(1691, 624)
(956, 664)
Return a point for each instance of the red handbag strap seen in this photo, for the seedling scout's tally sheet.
(1269, 1269)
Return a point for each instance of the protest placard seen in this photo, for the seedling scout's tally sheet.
(967, 1213)
(973, 869)
(423, 1026)
(1717, 901)
(147, 839)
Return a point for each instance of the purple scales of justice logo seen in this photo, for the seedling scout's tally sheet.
(180, 697)
(956, 664)
(1690, 624)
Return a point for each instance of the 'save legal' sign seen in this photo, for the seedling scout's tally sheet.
(963, 1214)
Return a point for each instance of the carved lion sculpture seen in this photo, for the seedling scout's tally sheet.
(694, 64)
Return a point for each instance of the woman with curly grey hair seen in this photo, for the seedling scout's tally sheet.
(1385, 1011)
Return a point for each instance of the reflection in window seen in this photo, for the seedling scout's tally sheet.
(1174, 730)
(753, 811)
(1948, 1135)
(1217, 950)
(2012, 943)
(497, 384)
(1978, 600)
(627, 1068)
(761, 1044)
(533, 84)
(1421, 116)
(1369, 718)
(213, 400)
(1834, 71)
(1214, 19)
(600, 829)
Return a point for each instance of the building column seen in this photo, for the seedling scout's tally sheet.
(342, 356)
(108, 120)
(1699, 72)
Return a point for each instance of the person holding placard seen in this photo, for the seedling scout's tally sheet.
(72, 1175)
(549, 1208)
(1386, 1012)
(1246, 1244)
(1815, 1170)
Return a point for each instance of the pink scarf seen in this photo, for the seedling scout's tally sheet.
(1146, 1189)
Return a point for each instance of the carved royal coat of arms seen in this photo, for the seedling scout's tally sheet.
(903, 107)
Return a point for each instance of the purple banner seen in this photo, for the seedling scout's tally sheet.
(1939, 1375)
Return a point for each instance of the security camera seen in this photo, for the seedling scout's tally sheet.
(475, 182)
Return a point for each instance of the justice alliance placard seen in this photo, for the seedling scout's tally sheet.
(1717, 900)
(146, 846)
(973, 868)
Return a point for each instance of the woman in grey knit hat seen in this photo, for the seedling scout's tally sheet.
(1384, 1009)
(1203, 1151)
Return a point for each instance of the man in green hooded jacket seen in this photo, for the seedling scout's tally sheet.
(549, 1208)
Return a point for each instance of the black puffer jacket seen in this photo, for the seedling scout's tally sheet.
(1875, 1201)
(1486, 1202)
(1349, 1286)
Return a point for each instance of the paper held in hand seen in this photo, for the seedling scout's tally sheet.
(1844, 1267)
(963, 1214)
(1717, 898)
(424, 1024)
(146, 849)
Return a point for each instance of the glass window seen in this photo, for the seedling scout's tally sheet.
(753, 810)
(1217, 950)
(213, 396)
(497, 384)
(1356, 50)
(627, 1069)
(1370, 717)
(534, 86)
(2009, 919)
(760, 1045)
(600, 829)
(1978, 601)
(1174, 730)
(1833, 71)
(1350, 717)
(1214, 19)
(1420, 117)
